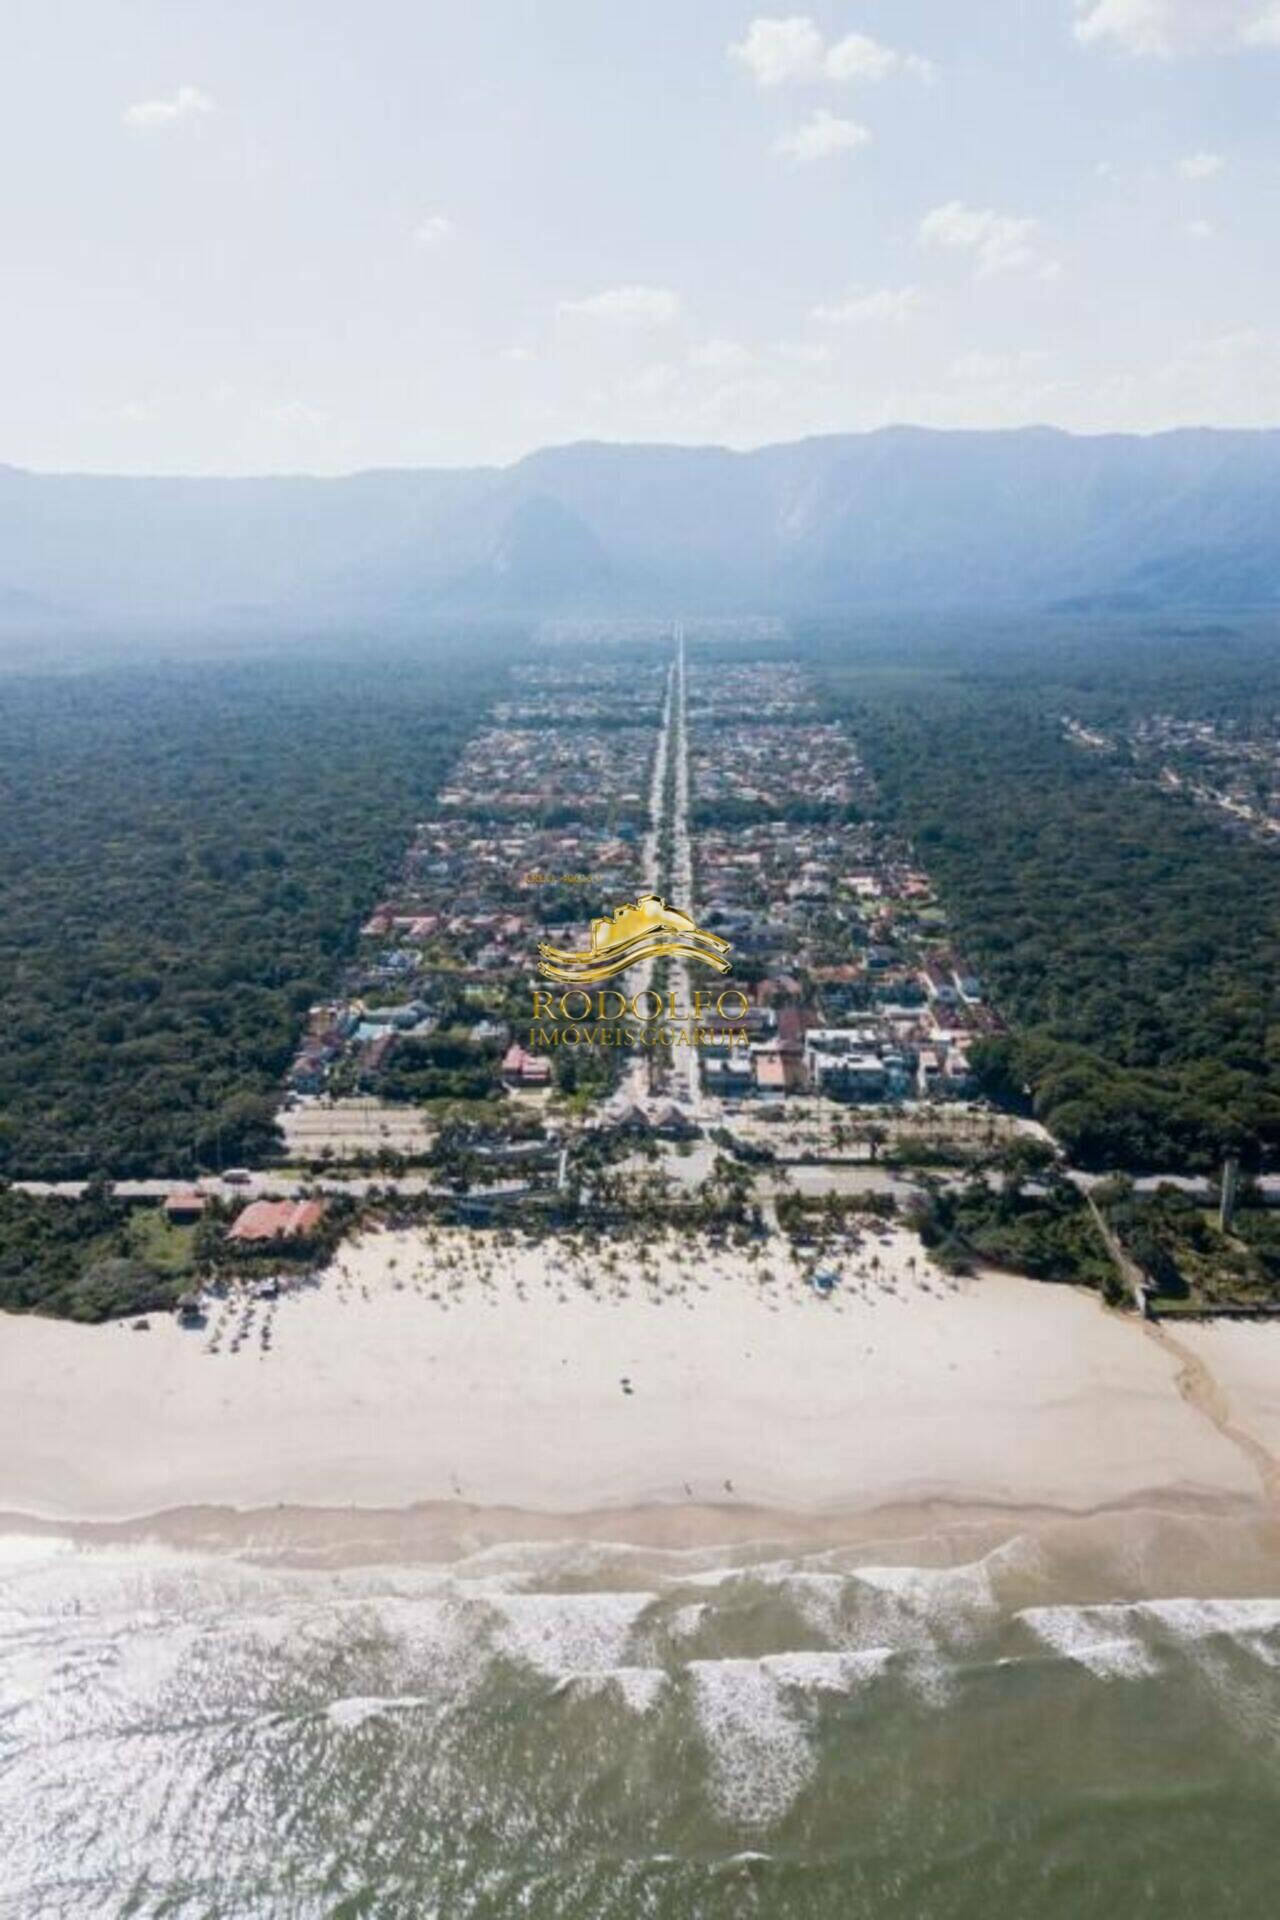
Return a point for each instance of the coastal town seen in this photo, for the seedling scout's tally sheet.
(471, 1193)
(811, 1060)
(1231, 770)
(547, 816)
(639, 918)
(717, 786)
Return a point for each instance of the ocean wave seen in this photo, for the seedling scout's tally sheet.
(843, 1673)
(1101, 1639)
(166, 1713)
(355, 1710)
(567, 1633)
(685, 1622)
(954, 1603)
(761, 1754)
(1126, 1640)
(641, 1688)
(1253, 1625)
(32, 1549)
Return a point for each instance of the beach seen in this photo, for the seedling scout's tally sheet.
(418, 1609)
(687, 1397)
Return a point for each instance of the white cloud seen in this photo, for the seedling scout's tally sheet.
(881, 303)
(805, 353)
(431, 232)
(996, 242)
(651, 383)
(776, 51)
(1232, 378)
(651, 306)
(152, 116)
(822, 135)
(1163, 29)
(792, 49)
(1239, 346)
(296, 414)
(1201, 166)
(1264, 31)
(729, 357)
(722, 356)
(980, 367)
(859, 57)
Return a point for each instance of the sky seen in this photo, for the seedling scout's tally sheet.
(246, 236)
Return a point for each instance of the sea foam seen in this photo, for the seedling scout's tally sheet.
(1101, 1639)
(567, 1633)
(761, 1754)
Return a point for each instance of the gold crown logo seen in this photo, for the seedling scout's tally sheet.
(637, 931)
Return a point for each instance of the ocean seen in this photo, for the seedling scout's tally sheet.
(983, 1722)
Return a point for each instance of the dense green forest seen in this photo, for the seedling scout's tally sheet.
(1183, 1251)
(1046, 1234)
(1129, 939)
(445, 1065)
(97, 1256)
(91, 1258)
(186, 854)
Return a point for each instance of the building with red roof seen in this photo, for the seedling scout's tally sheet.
(266, 1220)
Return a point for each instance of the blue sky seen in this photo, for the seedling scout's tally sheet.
(287, 236)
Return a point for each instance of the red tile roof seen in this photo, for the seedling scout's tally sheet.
(186, 1200)
(278, 1220)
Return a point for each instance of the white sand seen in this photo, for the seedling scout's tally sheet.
(1243, 1357)
(993, 1390)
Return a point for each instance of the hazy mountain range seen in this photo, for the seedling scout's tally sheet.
(903, 517)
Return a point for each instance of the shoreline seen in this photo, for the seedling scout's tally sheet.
(439, 1535)
(446, 1386)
